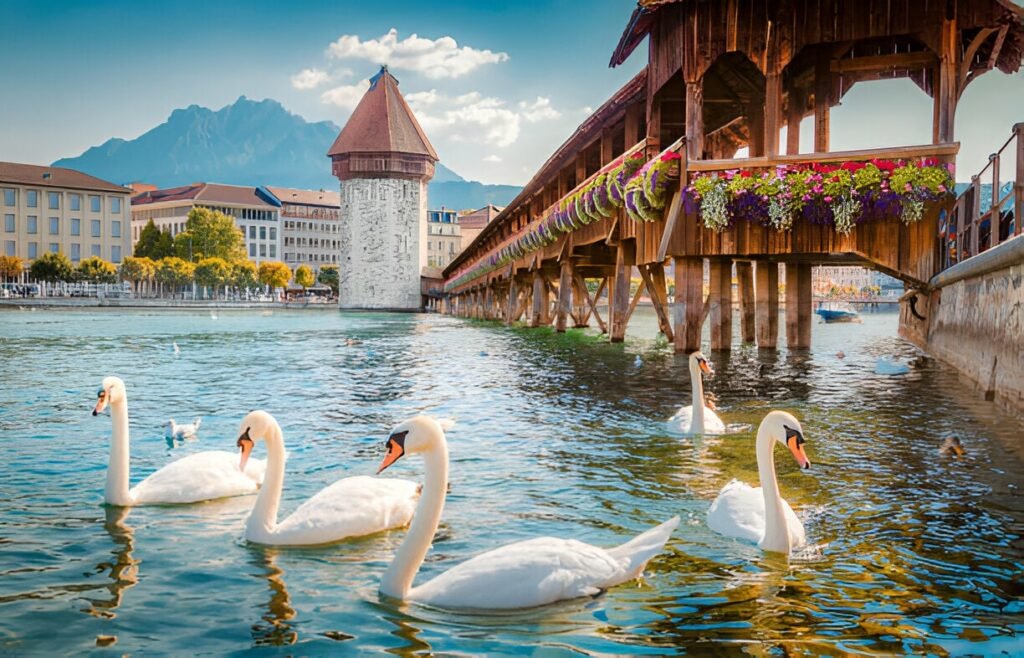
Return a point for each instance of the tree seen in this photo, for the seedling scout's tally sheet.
(154, 243)
(137, 269)
(244, 274)
(96, 270)
(212, 273)
(304, 276)
(174, 272)
(51, 267)
(11, 267)
(210, 234)
(328, 276)
(274, 274)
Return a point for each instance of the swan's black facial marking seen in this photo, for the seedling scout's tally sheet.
(101, 402)
(395, 446)
(245, 441)
(791, 433)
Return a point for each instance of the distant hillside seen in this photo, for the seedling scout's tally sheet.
(250, 143)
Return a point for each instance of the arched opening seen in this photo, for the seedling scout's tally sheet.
(733, 105)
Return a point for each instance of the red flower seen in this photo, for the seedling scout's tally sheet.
(885, 165)
(853, 166)
(745, 173)
(823, 168)
(670, 156)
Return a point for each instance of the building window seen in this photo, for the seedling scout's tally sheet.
(10, 196)
(252, 232)
(32, 224)
(32, 198)
(115, 254)
(76, 226)
(94, 250)
(252, 250)
(8, 247)
(94, 203)
(54, 247)
(273, 251)
(96, 228)
(273, 233)
(76, 252)
(76, 201)
(55, 226)
(115, 229)
(33, 250)
(115, 205)
(9, 224)
(263, 251)
(53, 200)
(263, 233)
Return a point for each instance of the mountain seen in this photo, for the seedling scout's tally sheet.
(250, 143)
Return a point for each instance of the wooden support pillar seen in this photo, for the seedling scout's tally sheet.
(654, 279)
(695, 120)
(539, 317)
(512, 303)
(772, 112)
(949, 81)
(625, 258)
(745, 293)
(997, 209)
(798, 306)
(755, 124)
(689, 303)
(794, 113)
(579, 301)
(822, 100)
(721, 304)
(766, 293)
(564, 295)
(632, 124)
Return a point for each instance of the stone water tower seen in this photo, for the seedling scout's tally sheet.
(384, 161)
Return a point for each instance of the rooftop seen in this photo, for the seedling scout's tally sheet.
(26, 174)
(306, 197)
(239, 195)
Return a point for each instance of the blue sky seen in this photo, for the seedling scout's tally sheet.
(521, 77)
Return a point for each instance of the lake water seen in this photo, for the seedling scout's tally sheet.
(561, 435)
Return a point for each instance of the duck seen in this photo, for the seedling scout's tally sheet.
(195, 478)
(173, 430)
(704, 420)
(952, 447)
(760, 514)
(523, 574)
(351, 507)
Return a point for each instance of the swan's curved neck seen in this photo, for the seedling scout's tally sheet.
(697, 384)
(397, 580)
(116, 490)
(776, 529)
(263, 518)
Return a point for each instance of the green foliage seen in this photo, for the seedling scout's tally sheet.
(304, 276)
(244, 274)
(274, 273)
(11, 267)
(137, 268)
(328, 276)
(173, 271)
(96, 270)
(51, 267)
(209, 234)
(212, 272)
(154, 243)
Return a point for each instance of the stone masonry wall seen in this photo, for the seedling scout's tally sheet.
(383, 243)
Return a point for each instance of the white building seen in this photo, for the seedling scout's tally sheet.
(310, 226)
(444, 237)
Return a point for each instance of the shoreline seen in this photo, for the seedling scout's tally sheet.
(158, 304)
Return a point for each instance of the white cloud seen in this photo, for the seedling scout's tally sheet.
(588, 110)
(345, 96)
(309, 78)
(492, 158)
(434, 58)
(539, 110)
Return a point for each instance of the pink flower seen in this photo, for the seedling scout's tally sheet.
(908, 187)
(828, 199)
(764, 197)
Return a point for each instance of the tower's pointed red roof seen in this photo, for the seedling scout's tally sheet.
(382, 123)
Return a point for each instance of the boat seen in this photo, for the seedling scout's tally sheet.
(837, 312)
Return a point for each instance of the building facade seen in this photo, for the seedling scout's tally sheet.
(472, 223)
(53, 209)
(444, 237)
(255, 210)
(383, 162)
(310, 226)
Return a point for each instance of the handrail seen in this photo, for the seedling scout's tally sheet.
(942, 150)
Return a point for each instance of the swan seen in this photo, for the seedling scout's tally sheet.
(351, 507)
(197, 477)
(172, 430)
(760, 514)
(520, 575)
(698, 418)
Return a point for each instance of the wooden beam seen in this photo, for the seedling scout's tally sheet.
(917, 60)
(689, 281)
(695, 119)
(654, 280)
(766, 294)
(949, 40)
(798, 305)
(822, 100)
(625, 258)
(675, 208)
(794, 114)
(564, 296)
(995, 212)
(902, 152)
(540, 300)
(745, 293)
(579, 300)
(721, 303)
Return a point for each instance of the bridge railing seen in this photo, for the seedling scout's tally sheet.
(968, 231)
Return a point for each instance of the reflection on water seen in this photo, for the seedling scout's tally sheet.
(559, 435)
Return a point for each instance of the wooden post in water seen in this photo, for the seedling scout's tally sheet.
(564, 295)
(721, 303)
(798, 305)
(579, 301)
(513, 301)
(625, 258)
(745, 292)
(539, 317)
(689, 303)
(766, 294)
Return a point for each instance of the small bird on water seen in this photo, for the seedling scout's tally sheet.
(952, 447)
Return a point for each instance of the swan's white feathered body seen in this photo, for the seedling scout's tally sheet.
(541, 571)
(682, 422)
(739, 512)
(201, 476)
(172, 430)
(697, 418)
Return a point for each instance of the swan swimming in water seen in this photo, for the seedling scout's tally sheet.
(519, 575)
(351, 507)
(172, 430)
(697, 418)
(761, 514)
(197, 477)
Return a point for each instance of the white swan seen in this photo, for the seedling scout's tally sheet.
(520, 575)
(172, 430)
(351, 507)
(760, 514)
(197, 477)
(697, 418)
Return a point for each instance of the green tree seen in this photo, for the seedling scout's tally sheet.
(274, 274)
(304, 276)
(11, 267)
(213, 273)
(154, 243)
(328, 276)
(244, 274)
(137, 269)
(96, 270)
(174, 272)
(51, 267)
(210, 234)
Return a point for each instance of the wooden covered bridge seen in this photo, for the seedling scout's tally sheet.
(651, 179)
